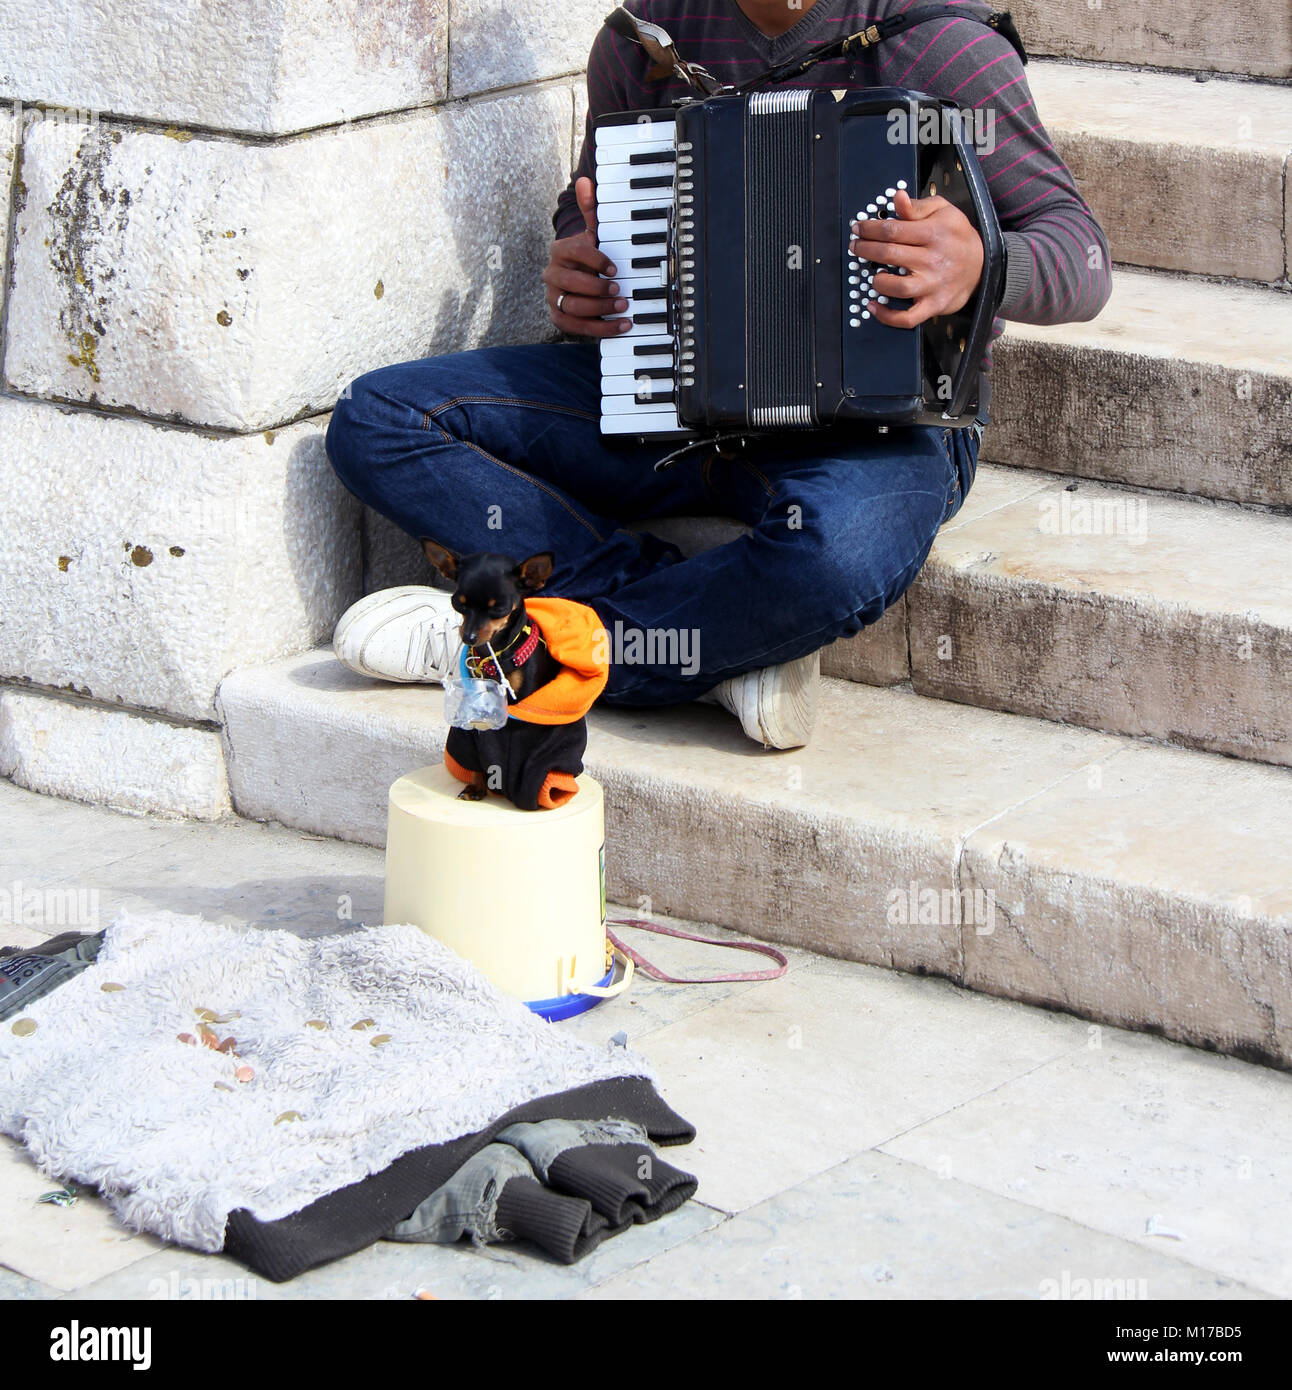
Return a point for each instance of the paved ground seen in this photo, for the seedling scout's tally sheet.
(861, 1133)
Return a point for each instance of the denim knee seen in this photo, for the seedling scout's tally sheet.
(346, 430)
(852, 570)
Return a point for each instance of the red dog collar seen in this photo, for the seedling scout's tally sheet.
(487, 669)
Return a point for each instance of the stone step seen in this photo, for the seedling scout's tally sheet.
(1182, 176)
(1138, 613)
(1247, 36)
(1132, 612)
(1128, 883)
(1179, 384)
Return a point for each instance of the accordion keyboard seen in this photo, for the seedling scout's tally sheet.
(636, 166)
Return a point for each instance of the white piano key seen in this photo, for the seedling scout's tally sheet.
(622, 258)
(630, 405)
(643, 151)
(643, 392)
(622, 357)
(638, 331)
(625, 228)
(613, 349)
(628, 288)
(621, 217)
(663, 421)
(635, 173)
(635, 134)
(621, 249)
(615, 194)
(643, 177)
(632, 277)
(615, 373)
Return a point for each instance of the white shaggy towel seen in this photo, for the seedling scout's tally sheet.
(102, 1091)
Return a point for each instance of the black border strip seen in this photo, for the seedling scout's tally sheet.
(353, 1217)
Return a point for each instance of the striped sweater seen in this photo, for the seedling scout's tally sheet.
(1057, 254)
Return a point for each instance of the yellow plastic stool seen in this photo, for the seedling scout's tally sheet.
(521, 894)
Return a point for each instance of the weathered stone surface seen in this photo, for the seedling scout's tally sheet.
(240, 286)
(391, 557)
(8, 157)
(873, 1227)
(1166, 164)
(1179, 1153)
(495, 44)
(877, 655)
(1164, 873)
(142, 563)
(261, 66)
(1179, 384)
(1249, 37)
(1139, 614)
(111, 757)
(764, 1053)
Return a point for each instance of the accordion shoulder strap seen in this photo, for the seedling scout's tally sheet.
(884, 29)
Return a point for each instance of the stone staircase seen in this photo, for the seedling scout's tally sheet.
(1057, 770)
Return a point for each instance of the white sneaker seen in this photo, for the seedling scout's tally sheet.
(408, 634)
(776, 705)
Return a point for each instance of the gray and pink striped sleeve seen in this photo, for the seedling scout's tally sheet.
(1059, 265)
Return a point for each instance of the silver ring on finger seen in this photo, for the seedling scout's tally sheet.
(560, 299)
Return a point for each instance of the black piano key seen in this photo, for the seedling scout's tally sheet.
(653, 157)
(648, 238)
(650, 318)
(650, 349)
(645, 262)
(655, 293)
(648, 214)
(663, 181)
(656, 373)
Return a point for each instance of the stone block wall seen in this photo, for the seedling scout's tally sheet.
(216, 217)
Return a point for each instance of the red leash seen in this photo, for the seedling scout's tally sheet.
(661, 930)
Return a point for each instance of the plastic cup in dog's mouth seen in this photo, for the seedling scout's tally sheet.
(475, 703)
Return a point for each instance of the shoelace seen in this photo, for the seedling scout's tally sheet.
(430, 660)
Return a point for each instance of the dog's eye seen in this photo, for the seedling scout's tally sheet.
(457, 603)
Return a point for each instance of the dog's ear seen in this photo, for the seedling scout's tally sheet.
(444, 560)
(536, 571)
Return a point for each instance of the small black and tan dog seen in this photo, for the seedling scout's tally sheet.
(535, 759)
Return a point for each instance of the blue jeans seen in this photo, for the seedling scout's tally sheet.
(499, 449)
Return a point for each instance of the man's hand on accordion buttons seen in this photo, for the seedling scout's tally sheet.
(577, 296)
(939, 248)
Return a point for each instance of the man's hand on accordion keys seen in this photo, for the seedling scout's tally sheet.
(577, 295)
(936, 246)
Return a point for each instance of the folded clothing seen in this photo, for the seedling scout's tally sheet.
(565, 1185)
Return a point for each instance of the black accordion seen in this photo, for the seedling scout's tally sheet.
(728, 222)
